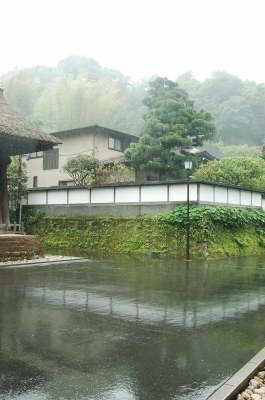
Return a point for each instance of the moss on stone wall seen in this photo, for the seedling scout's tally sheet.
(145, 234)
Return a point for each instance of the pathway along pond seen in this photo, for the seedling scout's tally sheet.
(128, 327)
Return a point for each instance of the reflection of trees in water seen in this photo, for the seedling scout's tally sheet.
(157, 327)
(17, 377)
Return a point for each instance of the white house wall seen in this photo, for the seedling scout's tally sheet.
(171, 193)
(127, 194)
(154, 193)
(55, 197)
(256, 201)
(246, 198)
(78, 143)
(220, 195)
(37, 198)
(178, 192)
(233, 196)
(102, 195)
(79, 196)
(206, 193)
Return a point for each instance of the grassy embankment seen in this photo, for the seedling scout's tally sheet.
(214, 232)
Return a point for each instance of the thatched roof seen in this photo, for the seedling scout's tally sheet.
(18, 135)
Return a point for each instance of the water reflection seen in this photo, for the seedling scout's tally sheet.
(128, 327)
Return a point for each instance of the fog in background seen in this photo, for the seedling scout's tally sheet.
(139, 38)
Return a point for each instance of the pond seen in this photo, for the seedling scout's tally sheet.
(128, 327)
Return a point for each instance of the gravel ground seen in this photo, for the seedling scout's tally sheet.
(46, 258)
(255, 389)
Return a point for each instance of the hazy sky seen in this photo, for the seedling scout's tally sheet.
(138, 37)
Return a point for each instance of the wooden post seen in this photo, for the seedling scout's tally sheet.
(4, 204)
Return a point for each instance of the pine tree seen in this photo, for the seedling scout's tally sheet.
(171, 126)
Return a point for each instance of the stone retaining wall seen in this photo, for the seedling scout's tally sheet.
(20, 247)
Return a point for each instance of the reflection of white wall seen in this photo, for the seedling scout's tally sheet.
(184, 315)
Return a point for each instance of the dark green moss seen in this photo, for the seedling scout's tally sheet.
(148, 233)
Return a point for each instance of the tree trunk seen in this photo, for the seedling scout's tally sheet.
(4, 207)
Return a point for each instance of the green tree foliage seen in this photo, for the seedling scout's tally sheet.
(239, 171)
(235, 115)
(12, 180)
(77, 92)
(86, 170)
(74, 65)
(255, 95)
(36, 119)
(171, 123)
(188, 82)
(82, 168)
(117, 172)
(217, 89)
(263, 150)
(242, 150)
(130, 118)
(238, 106)
(229, 217)
(69, 103)
(22, 89)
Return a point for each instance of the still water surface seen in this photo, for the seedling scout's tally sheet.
(128, 327)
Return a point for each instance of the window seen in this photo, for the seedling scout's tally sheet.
(66, 183)
(114, 143)
(153, 178)
(39, 154)
(35, 181)
(51, 159)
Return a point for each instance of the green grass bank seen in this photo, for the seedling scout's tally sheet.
(215, 232)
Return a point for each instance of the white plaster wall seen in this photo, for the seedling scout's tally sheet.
(234, 196)
(79, 196)
(220, 195)
(57, 197)
(153, 193)
(36, 198)
(206, 193)
(245, 198)
(127, 194)
(104, 195)
(179, 192)
(256, 199)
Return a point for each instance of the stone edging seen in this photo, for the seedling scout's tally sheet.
(238, 382)
(40, 260)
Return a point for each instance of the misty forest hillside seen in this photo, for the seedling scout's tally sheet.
(80, 92)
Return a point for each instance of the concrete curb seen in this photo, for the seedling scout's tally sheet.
(238, 382)
(41, 263)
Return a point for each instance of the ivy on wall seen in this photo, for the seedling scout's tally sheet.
(214, 232)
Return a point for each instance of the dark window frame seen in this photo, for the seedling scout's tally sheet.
(51, 159)
(35, 181)
(117, 143)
